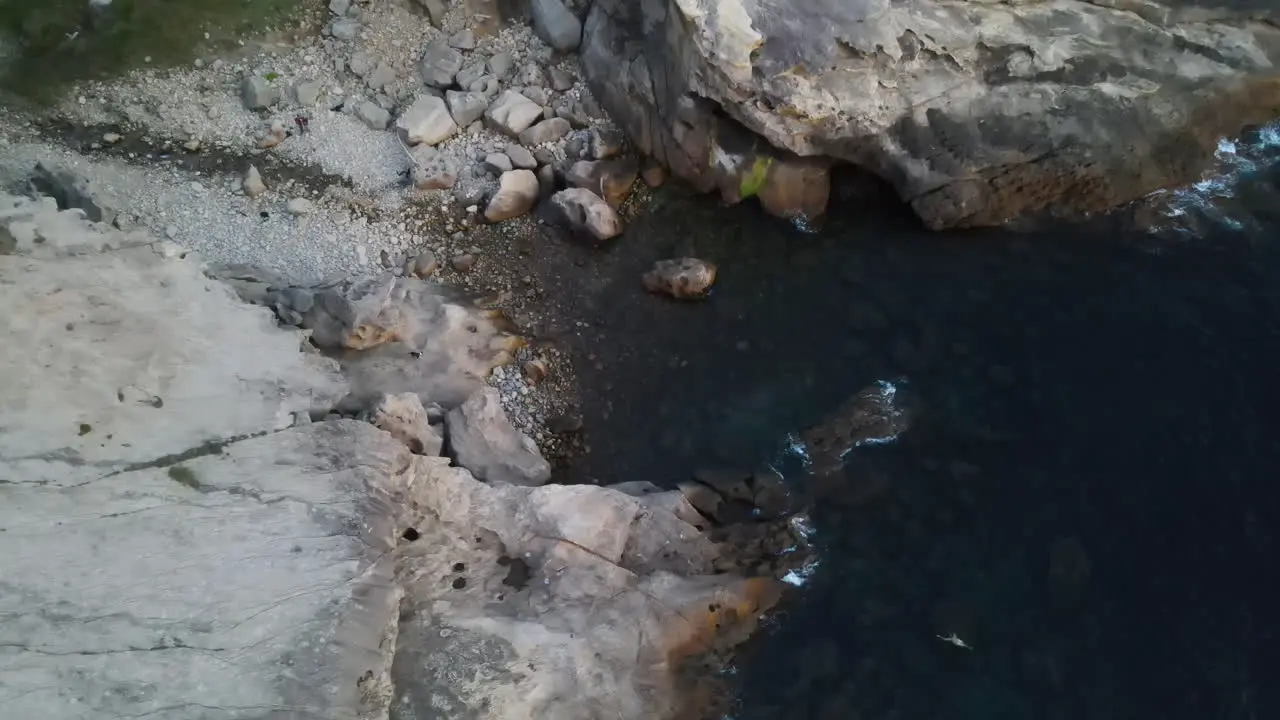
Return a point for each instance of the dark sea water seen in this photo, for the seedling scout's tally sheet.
(1089, 495)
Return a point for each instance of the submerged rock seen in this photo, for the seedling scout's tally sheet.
(874, 415)
(975, 111)
(584, 213)
(683, 278)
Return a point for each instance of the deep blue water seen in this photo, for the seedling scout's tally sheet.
(1089, 496)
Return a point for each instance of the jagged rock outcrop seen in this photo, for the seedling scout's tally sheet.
(179, 539)
(975, 111)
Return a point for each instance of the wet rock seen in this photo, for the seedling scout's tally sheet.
(545, 132)
(483, 440)
(300, 206)
(252, 182)
(406, 419)
(652, 173)
(684, 278)
(257, 93)
(373, 116)
(770, 494)
(307, 92)
(517, 193)
(873, 415)
(556, 25)
(512, 113)
(521, 157)
(584, 213)
(427, 121)
(440, 65)
(611, 179)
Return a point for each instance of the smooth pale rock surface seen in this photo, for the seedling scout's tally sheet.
(975, 111)
(517, 194)
(426, 122)
(171, 547)
(513, 113)
(483, 440)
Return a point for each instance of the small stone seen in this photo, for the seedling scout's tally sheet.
(112, 138)
(463, 40)
(440, 65)
(258, 93)
(538, 96)
(535, 371)
(546, 182)
(191, 145)
(425, 264)
(463, 263)
(339, 7)
(561, 80)
(436, 10)
(545, 132)
(252, 183)
(432, 172)
(500, 64)
(300, 206)
(497, 163)
(556, 25)
(517, 193)
(427, 121)
(520, 157)
(360, 63)
(381, 77)
(470, 74)
(466, 107)
(373, 116)
(611, 179)
(685, 278)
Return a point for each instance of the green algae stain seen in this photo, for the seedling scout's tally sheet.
(753, 180)
(184, 476)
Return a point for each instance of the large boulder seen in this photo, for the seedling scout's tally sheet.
(976, 112)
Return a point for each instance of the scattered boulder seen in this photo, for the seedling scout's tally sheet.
(463, 262)
(500, 64)
(257, 93)
(683, 278)
(483, 440)
(426, 121)
(432, 170)
(584, 213)
(464, 39)
(440, 65)
(512, 113)
(466, 107)
(561, 80)
(556, 25)
(547, 131)
(381, 77)
(873, 415)
(517, 194)
(252, 182)
(406, 419)
(425, 264)
(612, 179)
(373, 115)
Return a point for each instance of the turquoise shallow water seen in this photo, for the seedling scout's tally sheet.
(1089, 497)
